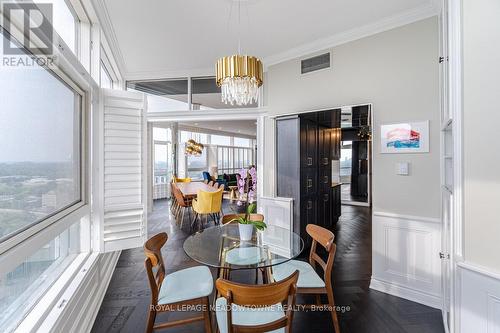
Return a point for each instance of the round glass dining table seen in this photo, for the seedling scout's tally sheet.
(221, 247)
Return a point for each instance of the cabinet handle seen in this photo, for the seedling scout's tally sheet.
(325, 179)
(309, 204)
(325, 197)
(309, 161)
(325, 160)
(309, 182)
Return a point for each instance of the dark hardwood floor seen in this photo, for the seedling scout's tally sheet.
(125, 305)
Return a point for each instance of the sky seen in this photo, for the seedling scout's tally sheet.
(36, 116)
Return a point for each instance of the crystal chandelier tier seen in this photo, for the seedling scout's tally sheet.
(239, 77)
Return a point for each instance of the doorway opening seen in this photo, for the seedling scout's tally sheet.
(356, 155)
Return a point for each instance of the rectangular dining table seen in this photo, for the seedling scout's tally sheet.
(191, 189)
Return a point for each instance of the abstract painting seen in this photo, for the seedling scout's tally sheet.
(411, 137)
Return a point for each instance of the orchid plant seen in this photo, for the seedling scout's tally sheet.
(249, 201)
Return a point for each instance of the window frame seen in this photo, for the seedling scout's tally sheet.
(25, 234)
(108, 68)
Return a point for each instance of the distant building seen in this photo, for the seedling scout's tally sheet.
(49, 200)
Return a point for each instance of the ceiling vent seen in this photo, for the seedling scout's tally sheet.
(315, 63)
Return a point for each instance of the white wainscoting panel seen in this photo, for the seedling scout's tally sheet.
(277, 211)
(479, 299)
(405, 257)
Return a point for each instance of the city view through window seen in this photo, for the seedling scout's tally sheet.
(40, 147)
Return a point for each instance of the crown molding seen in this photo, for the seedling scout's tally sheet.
(419, 13)
(431, 8)
(109, 33)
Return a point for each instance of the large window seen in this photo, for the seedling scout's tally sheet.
(25, 284)
(106, 80)
(40, 158)
(232, 159)
(220, 140)
(163, 162)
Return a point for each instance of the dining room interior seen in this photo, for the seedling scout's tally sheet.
(249, 166)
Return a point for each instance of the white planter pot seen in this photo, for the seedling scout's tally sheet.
(246, 231)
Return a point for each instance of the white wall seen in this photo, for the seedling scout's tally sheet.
(479, 274)
(397, 71)
(481, 66)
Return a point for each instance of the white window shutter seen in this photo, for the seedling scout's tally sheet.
(124, 172)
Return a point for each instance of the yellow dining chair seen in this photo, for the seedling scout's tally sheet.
(181, 180)
(208, 204)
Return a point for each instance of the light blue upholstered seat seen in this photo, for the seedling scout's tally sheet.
(186, 284)
(308, 278)
(247, 316)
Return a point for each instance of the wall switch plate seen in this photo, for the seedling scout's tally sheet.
(403, 168)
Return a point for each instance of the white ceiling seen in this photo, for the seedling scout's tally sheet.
(246, 127)
(159, 38)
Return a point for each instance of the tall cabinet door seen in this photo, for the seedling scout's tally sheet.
(324, 147)
(308, 215)
(308, 143)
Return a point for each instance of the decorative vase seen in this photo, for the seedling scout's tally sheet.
(246, 231)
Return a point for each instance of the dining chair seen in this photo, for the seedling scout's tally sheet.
(256, 308)
(205, 181)
(309, 281)
(208, 204)
(211, 183)
(229, 217)
(181, 180)
(173, 205)
(175, 291)
(216, 185)
(183, 204)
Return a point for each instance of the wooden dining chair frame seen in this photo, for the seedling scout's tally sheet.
(325, 238)
(154, 259)
(182, 204)
(282, 292)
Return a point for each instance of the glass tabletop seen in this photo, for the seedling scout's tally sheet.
(221, 247)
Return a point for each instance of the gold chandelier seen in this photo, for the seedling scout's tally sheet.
(239, 76)
(193, 148)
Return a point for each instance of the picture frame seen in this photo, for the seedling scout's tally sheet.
(408, 137)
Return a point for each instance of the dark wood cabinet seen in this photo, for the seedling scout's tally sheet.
(336, 202)
(306, 145)
(325, 209)
(308, 215)
(324, 147)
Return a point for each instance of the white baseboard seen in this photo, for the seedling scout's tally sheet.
(405, 257)
(406, 293)
(479, 299)
(81, 309)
